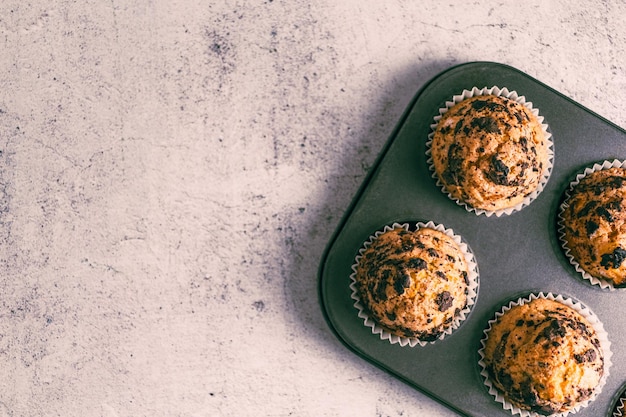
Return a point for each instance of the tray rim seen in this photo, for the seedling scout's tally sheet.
(368, 178)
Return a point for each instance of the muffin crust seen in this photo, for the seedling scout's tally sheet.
(413, 283)
(489, 152)
(544, 356)
(594, 220)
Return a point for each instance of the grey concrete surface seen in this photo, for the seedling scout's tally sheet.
(171, 171)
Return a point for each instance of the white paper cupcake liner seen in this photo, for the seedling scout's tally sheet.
(618, 408)
(580, 308)
(603, 283)
(513, 95)
(473, 280)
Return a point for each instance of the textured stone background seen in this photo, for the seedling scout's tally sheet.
(171, 171)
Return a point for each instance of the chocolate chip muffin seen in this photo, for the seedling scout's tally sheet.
(544, 356)
(593, 218)
(414, 283)
(490, 152)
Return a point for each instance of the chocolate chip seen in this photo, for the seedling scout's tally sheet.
(391, 315)
(381, 291)
(529, 394)
(614, 205)
(444, 300)
(614, 259)
(603, 212)
(432, 336)
(584, 393)
(433, 253)
(453, 174)
(499, 171)
(458, 126)
(612, 182)
(552, 331)
(505, 379)
(402, 281)
(487, 124)
(416, 263)
(524, 142)
(441, 275)
(586, 209)
(591, 227)
(500, 348)
(588, 356)
(481, 104)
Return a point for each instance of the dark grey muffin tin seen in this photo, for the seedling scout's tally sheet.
(516, 254)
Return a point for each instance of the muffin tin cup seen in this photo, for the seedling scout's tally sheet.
(580, 308)
(473, 279)
(513, 95)
(603, 283)
(618, 409)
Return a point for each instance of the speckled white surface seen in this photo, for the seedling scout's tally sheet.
(171, 171)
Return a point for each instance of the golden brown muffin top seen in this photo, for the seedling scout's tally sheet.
(594, 220)
(414, 283)
(544, 357)
(489, 152)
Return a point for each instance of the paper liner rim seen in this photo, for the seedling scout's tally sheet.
(620, 405)
(513, 95)
(580, 308)
(598, 166)
(473, 278)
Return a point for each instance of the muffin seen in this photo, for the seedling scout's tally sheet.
(490, 152)
(593, 221)
(544, 356)
(415, 283)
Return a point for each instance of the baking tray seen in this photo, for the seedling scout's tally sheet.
(516, 254)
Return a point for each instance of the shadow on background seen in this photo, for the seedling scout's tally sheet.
(317, 228)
